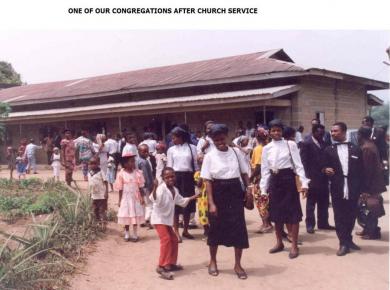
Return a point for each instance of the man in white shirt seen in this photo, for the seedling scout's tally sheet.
(343, 166)
(205, 144)
(30, 152)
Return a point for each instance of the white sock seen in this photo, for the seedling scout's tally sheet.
(126, 234)
(135, 232)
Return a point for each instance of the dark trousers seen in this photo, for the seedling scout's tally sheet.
(345, 212)
(49, 154)
(317, 195)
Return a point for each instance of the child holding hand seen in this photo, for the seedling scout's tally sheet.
(129, 183)
(164, 199)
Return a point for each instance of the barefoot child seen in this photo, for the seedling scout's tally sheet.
(21, 165)
(129, 183)
(164, 199)
(11, 160)
(98, 190)
(56, 163)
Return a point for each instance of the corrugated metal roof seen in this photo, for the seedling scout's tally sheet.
(213, 69)
(259, 94)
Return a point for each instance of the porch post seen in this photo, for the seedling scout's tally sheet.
(120, 124)
(185, 117)
(264, 116)
(163, 127)
(20, 130)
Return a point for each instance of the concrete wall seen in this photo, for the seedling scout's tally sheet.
(340, 101)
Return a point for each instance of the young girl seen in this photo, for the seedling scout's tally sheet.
(11, 160)
(202, 200)
(164, 199)
(21, 165)
(56, 163)
(111, 172)
(129, 183)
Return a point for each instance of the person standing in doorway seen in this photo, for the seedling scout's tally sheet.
(48, 143)
(84, 151)
(343, 166)
(312, 154)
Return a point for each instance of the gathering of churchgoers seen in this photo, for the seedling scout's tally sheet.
(199, 144)
(208, 179)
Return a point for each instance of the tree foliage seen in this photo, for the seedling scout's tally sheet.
(381, 115)
(5, 109)
(8, 75)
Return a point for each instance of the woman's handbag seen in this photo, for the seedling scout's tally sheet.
(248, 200)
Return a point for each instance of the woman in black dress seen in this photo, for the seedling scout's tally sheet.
(280, 164)
(221, 169)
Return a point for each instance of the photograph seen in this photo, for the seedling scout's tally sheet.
(214, 159)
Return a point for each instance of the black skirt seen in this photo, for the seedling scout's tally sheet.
(228, 228)
(284, 203)
(186, 185)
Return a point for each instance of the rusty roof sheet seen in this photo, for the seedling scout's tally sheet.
(212, 69)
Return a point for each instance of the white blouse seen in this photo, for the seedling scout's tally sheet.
(201, 143)
(223, 164)
(180, 159)
(275, 156)
(164, 205)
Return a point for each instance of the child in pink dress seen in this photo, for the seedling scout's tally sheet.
(129, 183)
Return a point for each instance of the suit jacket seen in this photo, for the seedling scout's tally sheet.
(354, 171)
(373, 182)
(379, 138)
(312, 158)
(327, 138)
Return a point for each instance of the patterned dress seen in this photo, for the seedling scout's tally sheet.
(130, 212)
(69, 154)
(203, 206)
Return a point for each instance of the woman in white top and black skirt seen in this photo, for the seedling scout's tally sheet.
(182, 158)
(221, 169)
(280, 164)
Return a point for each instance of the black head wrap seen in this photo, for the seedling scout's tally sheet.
(276, 123)
(218, 129)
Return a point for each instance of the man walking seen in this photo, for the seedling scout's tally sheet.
(312, 152)
(31, 151)
(343, 165)
(84, 151)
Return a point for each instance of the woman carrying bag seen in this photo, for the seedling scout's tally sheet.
(227, 195)
(280, 164)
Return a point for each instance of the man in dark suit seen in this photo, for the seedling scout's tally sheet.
(326, 137)
(343, 165)
(372, 187)
(378, 135)
(312, 156)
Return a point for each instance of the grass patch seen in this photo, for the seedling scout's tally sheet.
(47, 253)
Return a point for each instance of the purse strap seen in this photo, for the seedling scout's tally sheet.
(292, 160)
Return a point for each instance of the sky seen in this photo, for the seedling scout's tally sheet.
(44, 56)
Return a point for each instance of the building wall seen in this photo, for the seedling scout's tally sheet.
(339, 101)
(137, 123)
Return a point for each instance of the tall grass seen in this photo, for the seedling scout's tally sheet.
(48, 251)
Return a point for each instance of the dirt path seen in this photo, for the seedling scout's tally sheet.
(116, 264)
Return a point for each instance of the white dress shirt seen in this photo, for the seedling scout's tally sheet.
(31, 149)
(276, 156)
(201, 143)
(180, 159)
(342, 152)
(219, 164)
(112, 146)
(164, 205)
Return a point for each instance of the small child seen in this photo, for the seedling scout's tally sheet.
(202, 200)
(145, 166)
(129, 183)
(56, 163)
(111, 168)
(21, 165)
(98, 190)
(161, 161)
(164, 199)
(11, 160)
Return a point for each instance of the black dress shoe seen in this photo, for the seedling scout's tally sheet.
(343, 250)
(276, 249)
(328, 228)
(353, 246)
(310, 230)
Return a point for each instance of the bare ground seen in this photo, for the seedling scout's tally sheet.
(116, 264)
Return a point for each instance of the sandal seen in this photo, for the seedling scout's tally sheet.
(164, 274)
(213, 271)
(241, 275)
(188, 236)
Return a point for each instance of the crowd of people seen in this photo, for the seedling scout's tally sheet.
(162, 185)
